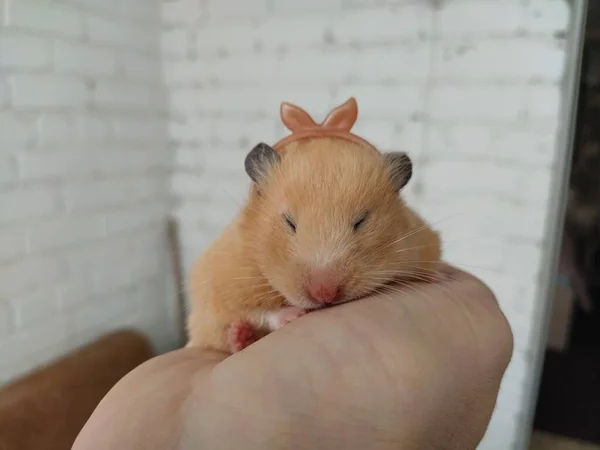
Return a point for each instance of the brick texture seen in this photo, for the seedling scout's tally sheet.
(471, 88)
(84, 177)
(108, 107)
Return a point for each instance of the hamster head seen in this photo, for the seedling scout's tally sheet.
(325, 221)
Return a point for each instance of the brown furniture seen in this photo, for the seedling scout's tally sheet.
(46, 409)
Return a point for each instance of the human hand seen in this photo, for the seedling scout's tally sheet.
(415, 369)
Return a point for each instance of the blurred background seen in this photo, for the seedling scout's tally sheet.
(123, 129)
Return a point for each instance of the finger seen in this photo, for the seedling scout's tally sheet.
(138, 412)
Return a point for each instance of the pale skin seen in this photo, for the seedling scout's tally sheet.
(412, 369)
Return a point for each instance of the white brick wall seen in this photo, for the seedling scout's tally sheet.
(471, 88)
(84, 168)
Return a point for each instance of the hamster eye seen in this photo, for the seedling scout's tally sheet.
(360, 221)
(289, 222)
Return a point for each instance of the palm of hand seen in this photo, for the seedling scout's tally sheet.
(417, 369)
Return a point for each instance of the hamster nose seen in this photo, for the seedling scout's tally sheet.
(322, 287)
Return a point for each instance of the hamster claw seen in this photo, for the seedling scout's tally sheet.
(240, 335)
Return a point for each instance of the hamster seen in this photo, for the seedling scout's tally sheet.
(324, 224)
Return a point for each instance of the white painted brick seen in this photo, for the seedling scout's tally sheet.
(228, 131)
(543, 102)
(130, 35)
(139, 10)
(44, 91)
(145, 268)
(521, 259)
(105, 6)
(135, 160)
(45, 15)
(221, 214)
(293, 32)
(174, 42)
(334, 66)
(4, 92)
(49, 234)
(484, 255)
(73, 292)
(83, 261)
(531, 147)
(236, 9)
(181, 72)
(226, 37)
(536, 185)
(480, 17)
(100, 194)
(135, 217)
(32, 203)
(28, 348)
(38, 344)
(12, 243)
(18, 277)
(227, 194)
(476, 216)
(392, 135)
(473, 176)
(82, 59)
(189, 160)
(245, 101)
(55, 130)
(65, 142)
(17, 130)
(144, 68)
(180, 11)
(140, 130)
(34, 307)
(93, 129)
(507, 60)
(473, 103)
(547, 16)
(23, 52)
(8, 171)
(408, 22)
(110, 279)
(45, 165)
(524, 329)
(7, 325)
(310, 6)
(187, 185)
(378, 102)
(497, 436)
(101, 314)
(66, 132)
(122, 95)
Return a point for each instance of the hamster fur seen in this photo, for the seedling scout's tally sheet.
(324, 225)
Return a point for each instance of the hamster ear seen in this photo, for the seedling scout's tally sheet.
(259, 161)
(400, 168)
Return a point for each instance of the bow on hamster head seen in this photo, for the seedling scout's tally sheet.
(326, 219)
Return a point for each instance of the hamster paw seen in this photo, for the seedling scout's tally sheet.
(284, 316)
(240, 335)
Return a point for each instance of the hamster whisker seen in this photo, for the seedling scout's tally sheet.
(430, 276)
(422, 228)
(390, 290)
(246, 278)
(268, 296)
(412, 263)
(406, 236)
